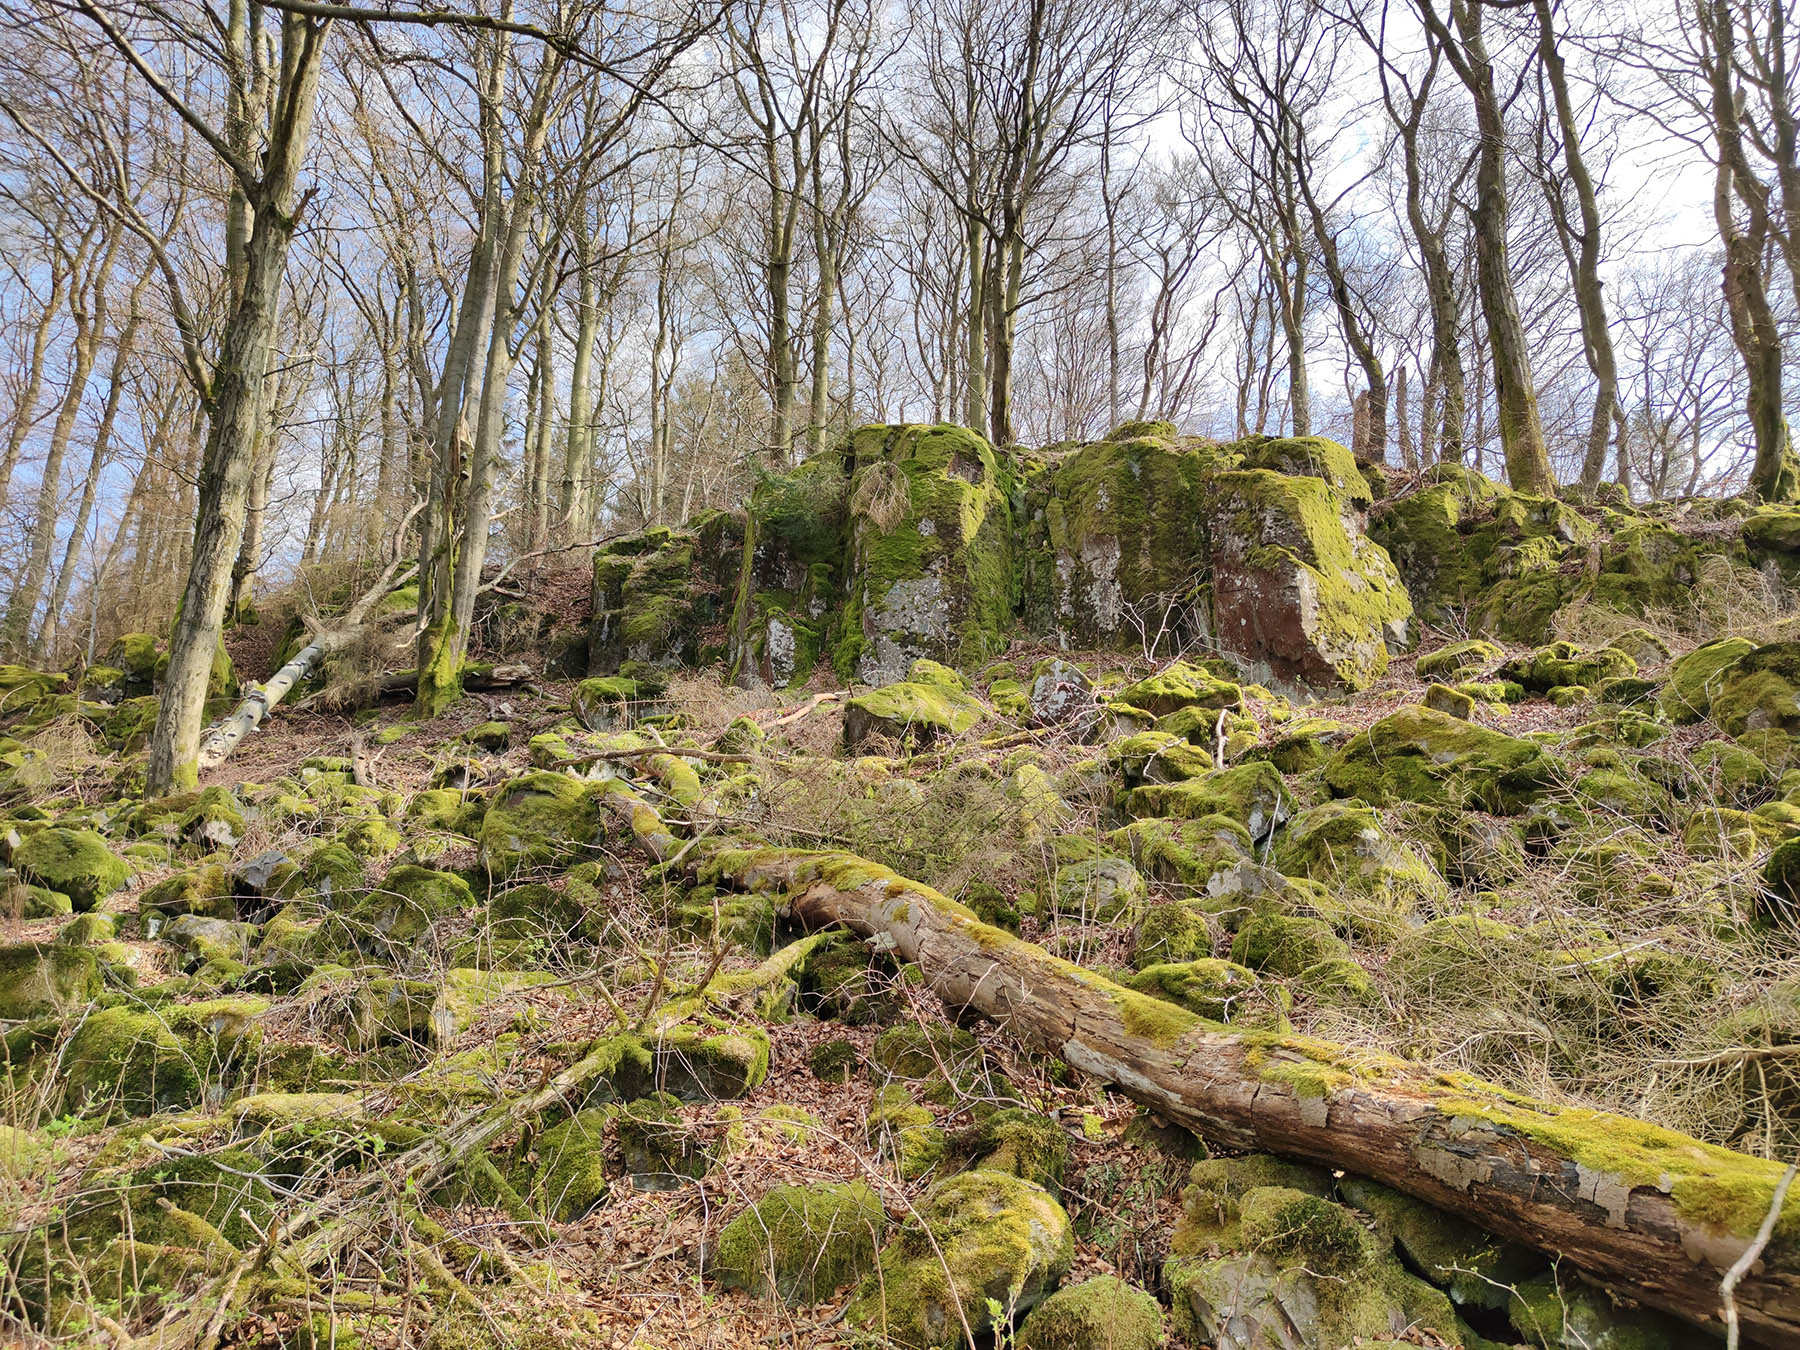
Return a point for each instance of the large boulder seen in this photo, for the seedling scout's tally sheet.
(1103, 1313)
(537, 820)
(45, 978)
(1299, 593)
(977, 1239)
(655, 596)
(931, 568)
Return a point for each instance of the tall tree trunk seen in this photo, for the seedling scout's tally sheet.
(975, 411)
(1409, 456)
(1584, 257)
(235, 411)
(1515, 396)
(578, 464)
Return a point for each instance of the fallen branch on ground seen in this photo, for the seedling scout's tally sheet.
(1651, 1213)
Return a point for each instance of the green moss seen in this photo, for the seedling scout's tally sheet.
(537, 820)
(45, 978)
(206, 819)
(1285, 944)
(1179, 686)
(1475, 1268)
(1418, 755)
(1103, 890)
(834, 1061)
(1172, 934)
(1252, 794)
(131, 1061)
(973, 1238)
(1694, 678)
(800, 1243)
(1103, 1313)
(906, 1132)
(1345, 845)
(1562, 664)
(1185, 851)
(75, 863)
(570, 1179)
(1313, 600)
(911, 712)
(1019, 1142)
(1219, 991)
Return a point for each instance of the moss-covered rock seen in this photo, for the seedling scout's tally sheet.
(834, 1061)
(133, 1062)
(1252, 794)
(211, 818)
(1564, 1314)
(930, 567)
(1173, 934)
(1458, 660)
(1102, 890)
(979, 1238)
(1563, 664)
(570, 1178)
(40, 979)
(906, 1133)
(1297, 588)
(916, 713)
(1345, 845)
(1186, 851)
(661, 1151)
(1103, 1313)
(537, 820)
(409, 899)
(1417, 755)
(1283, 944)
(1219, 990)
(1475, 1268)
(75, 863)
(705, 1063)
(799, 1243)
(1181, 685)
(1760, 690)
(1022, 1143)
(915, 1050)
(1694, 678)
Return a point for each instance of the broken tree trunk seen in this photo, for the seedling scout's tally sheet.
(1646, 1211)
(256, 707)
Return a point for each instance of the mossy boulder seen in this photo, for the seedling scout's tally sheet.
(211, 818)
(197, 890)
(75, 863)
(1252, 794)
(1563, 664)
(930, 564)
(913, 1050)
(800, 1243)
(1304, 1272)
(570, 1178)
(1113, 535)
(1104, 1313)
(976, 1239)
(661, 1151)
(1458, 660)
(39, 979)
(1173, 934)
(705, 1063)
(1181, 685)
(1022, 1143)
(1418, 755)
(21, 688)
(1297, 589)
(1694, 678)
(1189, 852)
(1455, 702)
(1475, 1268)
(1345, 845)
(1102, 890)
(1222, 991)
(396, 913)
(537, 820)
(906, 1133)
(1564, 1314)
(1285, 944)
(911, 712)
(131, 1061)
(1758, 691)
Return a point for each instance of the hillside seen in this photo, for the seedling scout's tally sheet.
(1139, 892)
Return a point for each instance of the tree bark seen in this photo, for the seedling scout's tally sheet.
(235, 405)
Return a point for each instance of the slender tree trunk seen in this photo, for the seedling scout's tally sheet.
(90, 325)
(1515, 395)
(578, 465)
(1409, 457)
(975, 355)
(26, 411)
(90, 486)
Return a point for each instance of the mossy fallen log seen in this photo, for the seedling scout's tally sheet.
(1645, 1211)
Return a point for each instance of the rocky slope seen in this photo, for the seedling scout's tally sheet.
(393, 1034)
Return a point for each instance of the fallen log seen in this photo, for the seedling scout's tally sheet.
(1646, 1211)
